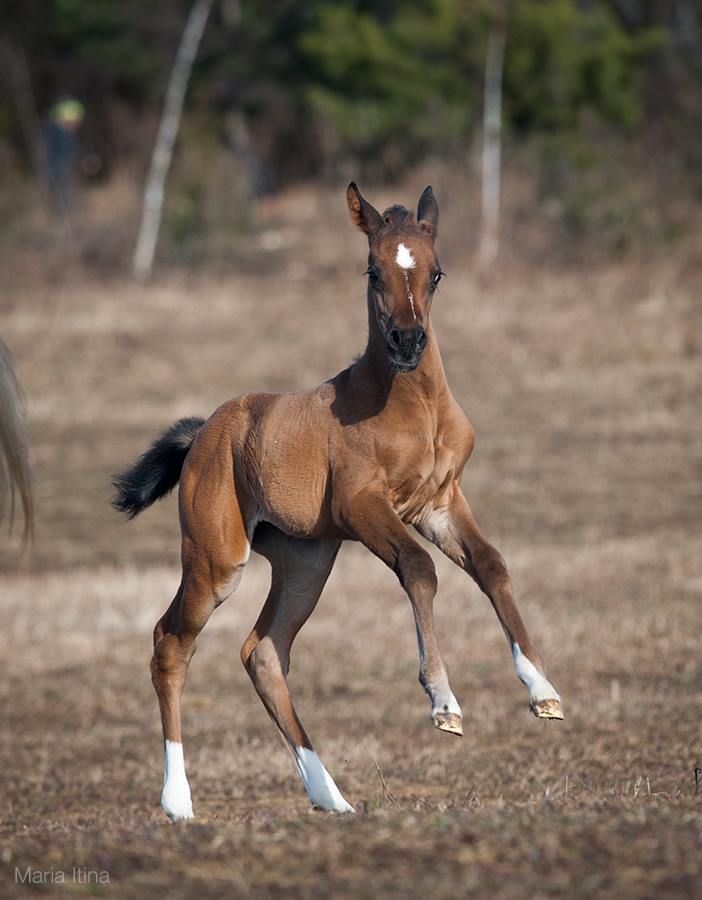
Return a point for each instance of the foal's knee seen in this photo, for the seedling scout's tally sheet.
(169, 661)
(490, 565)
(417, 574)
(250, 644)
(262, 661)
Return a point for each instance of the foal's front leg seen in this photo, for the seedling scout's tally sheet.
(453, 529)
(369, 517)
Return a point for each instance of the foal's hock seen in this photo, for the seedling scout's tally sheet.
(377, 449)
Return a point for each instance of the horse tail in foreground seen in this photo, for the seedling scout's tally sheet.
(15, 476)
(157, 471)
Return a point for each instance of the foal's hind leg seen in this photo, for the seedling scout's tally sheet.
(300, 570)
(210, 574)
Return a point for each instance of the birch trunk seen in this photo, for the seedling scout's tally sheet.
(165, 140)
(492, 144)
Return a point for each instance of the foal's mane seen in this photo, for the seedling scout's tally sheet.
(398, 218)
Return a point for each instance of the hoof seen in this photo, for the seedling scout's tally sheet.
(448, 721)
(177, 804)
(337, 806)
(182, 814)
(547, 709)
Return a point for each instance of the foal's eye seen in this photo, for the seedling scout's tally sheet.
(373, 277)
(436, 279)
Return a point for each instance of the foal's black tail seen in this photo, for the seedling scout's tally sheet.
(157, 471)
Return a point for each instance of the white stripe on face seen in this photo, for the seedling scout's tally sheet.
(175, 797)
(539, 687)
(318, 782)
(406, 261)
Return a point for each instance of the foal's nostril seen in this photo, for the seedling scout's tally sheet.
(394, 337)
(421, 339)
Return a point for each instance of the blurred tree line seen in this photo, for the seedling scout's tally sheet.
(336, 88)
(302, 88)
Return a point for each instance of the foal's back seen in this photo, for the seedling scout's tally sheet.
(271, 455)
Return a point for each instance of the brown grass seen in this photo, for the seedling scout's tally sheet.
(584, 389)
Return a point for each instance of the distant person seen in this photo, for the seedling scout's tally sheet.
(64, 149)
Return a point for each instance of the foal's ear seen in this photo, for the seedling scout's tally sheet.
(365, 216)
(428, 212)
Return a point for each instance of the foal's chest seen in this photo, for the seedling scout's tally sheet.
(419, 476)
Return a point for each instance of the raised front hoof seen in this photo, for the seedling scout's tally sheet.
(448, 721)
(547, 709)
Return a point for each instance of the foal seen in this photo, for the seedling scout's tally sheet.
(362, 457)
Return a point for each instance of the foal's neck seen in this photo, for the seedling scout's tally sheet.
(428, 380)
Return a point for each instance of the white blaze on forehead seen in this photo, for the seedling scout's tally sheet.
(404, 257)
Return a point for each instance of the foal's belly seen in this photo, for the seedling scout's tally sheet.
(294, 496)
(293, 483)
(302, 510)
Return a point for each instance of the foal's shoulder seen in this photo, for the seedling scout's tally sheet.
(456, 429)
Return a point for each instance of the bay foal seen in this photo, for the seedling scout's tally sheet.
(376, 449)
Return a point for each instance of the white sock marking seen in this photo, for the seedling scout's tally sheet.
(452, 704)
(175, 797)
(318, 782)
(539, 687)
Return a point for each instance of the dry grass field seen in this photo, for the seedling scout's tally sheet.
(584, 388)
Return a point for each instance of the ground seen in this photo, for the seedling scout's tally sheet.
(583, 387)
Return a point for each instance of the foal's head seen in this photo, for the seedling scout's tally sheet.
(403, 272)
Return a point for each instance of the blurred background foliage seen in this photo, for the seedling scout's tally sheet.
(286, 91)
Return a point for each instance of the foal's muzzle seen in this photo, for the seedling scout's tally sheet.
(405, 347)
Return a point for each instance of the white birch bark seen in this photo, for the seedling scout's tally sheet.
(165, 140)
(492, 144)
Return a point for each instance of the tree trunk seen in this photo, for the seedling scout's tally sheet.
(165, 140)
(20, 83)
(492, 143)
